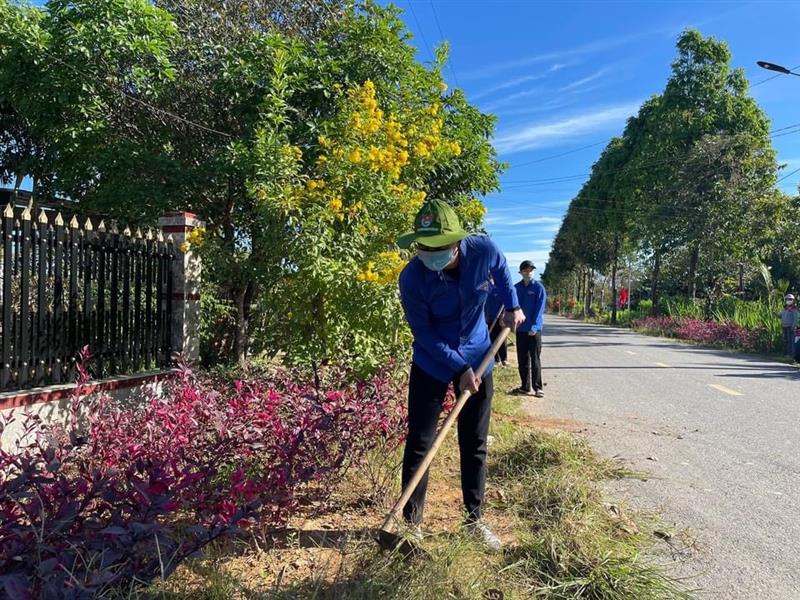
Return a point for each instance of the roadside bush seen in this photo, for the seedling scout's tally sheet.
(714, 333)
(137, 490)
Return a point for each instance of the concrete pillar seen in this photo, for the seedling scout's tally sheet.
(186, 275)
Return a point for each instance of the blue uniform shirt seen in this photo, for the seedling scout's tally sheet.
(446, 314)
(493, 304)
(532, 299)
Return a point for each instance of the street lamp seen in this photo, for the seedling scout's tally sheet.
(777, 68)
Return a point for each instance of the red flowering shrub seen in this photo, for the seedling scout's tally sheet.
(713, 333)
(140, 488)
(662, 326)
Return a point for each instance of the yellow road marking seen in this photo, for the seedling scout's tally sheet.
(724, 390)
(660, 364)
(631, 353)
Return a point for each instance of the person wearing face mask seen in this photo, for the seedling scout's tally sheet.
(532, 298)
(789, 319)
(443, 290)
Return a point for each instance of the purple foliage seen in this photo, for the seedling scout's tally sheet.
(713, 333)
(136, 490)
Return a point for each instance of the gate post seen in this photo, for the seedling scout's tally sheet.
(186, 274)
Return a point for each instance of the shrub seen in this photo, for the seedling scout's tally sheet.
(128, 497)
(714, 333)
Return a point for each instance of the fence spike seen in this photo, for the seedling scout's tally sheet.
(59, 220)
(126, 231)
(16, 223)
(88, 225)
(138, 233)
(159, 236)
(101, 226)
(74, 222)
(170, 239)
(149, 234)
(8, 212)
(26, 214)
(42, 216)
(114, 227)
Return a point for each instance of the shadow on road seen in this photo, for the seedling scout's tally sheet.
(756, 366)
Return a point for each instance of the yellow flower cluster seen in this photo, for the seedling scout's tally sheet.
(315, 184)
(195, 237)
(292, 152)
(369, 118)
(472, 212)
(391, 264)
(368, 274)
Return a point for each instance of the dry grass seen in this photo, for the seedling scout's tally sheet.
(564, 539)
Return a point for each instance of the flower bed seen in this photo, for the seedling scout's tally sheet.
(713, 333)
(134, 491)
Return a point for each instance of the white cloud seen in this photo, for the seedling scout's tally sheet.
(558, 56)
(510, 221)
(538, 257)
(507, 84)
(582, 82)
(552, 133)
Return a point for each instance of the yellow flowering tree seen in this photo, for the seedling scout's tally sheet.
(339, 190)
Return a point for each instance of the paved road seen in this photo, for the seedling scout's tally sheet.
(719, 433)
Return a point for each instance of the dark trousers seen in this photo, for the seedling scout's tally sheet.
(788, 340)
(529, 359)
(502, 352)
(425, 397)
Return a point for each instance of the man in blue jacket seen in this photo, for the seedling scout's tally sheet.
(532, 298)
(443, 290)
(494, 309)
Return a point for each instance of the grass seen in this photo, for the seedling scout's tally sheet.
(565, 540)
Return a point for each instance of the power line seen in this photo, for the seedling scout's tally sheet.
(772, 77)
(441, 34)
(133, 98)
(538, 160)
(516, 184)
(421, 32)
(789, 174)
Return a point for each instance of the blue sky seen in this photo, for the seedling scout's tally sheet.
(565, 75)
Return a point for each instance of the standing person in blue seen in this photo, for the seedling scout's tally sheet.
(532, 298)
(494, 307)
(443, 290)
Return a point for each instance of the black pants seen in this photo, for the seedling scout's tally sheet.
(529, 358)
(502, 352)
(425, 397)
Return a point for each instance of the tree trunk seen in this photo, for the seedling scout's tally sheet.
(614, 280)
(244, 302)
(693, 260)
(656, 273)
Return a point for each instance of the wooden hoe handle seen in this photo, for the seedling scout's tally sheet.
(393, 515)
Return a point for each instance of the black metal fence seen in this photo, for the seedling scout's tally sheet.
(68, 285)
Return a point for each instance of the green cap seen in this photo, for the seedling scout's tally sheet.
(436, 224)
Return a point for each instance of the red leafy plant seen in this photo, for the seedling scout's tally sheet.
(138, 488)
(713, 333)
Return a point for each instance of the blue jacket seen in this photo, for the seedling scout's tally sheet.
(532, 299)
(446, 315)
(493, 304)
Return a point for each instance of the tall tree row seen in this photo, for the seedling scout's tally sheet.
(688, 190)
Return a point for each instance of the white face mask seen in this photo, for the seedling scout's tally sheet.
(527, 276)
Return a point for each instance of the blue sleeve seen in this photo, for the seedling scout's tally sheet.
(541, 302)
(419, 320)
(498, 267)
